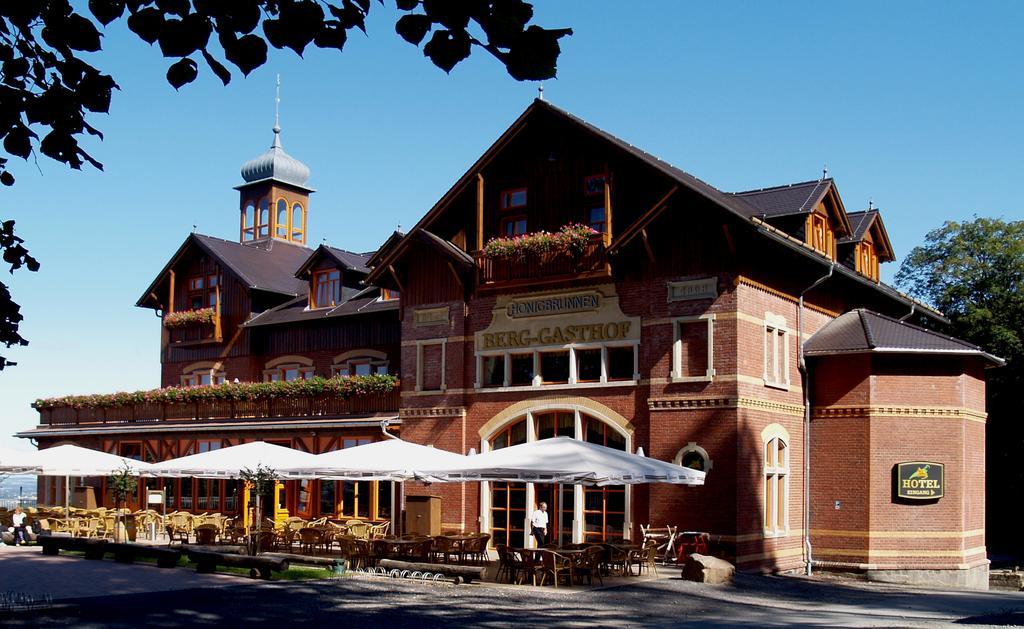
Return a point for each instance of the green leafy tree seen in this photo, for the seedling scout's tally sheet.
(122, 484)
(974, 272)
(258, 480)
(48, 88)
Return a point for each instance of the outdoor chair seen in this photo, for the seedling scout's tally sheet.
(207, 534)
(351, 551)
(557, 565)
(380, 530)
(524, 565)
(359, 528)
(645, 558)
(475, 549)
(310, 539)
(588, 564)
(444, 548)
(88, 527)
(505, 566)
(618, 560)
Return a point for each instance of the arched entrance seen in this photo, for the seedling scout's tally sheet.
(586, 514)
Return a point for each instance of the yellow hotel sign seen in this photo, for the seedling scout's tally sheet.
(920, 480)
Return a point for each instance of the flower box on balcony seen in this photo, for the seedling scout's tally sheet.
(186, 318)
(571, 239)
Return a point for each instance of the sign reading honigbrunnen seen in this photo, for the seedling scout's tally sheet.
(919, 480)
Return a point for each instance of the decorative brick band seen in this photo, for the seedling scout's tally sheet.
(699, 403)
(434, 412)
(746, 281)
(893, 410)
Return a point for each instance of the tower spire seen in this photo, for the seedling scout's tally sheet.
(277, 113)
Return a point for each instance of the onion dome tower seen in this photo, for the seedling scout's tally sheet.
(274, 200)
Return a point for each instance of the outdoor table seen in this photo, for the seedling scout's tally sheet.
(459, 543)
(627, 550)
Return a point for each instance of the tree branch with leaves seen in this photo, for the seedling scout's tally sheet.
(48, 88)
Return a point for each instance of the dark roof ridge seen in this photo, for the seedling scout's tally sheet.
(868, 334)
(919, 328)
(782, 187)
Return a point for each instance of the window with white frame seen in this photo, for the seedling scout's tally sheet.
(776, 351)
(590, 364)
(289, 368)
(201, 376)
(693, 349)
(360, 366)
(776, 486)
(694, 457)
(430, 361)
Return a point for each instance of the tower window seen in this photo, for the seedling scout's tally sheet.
(263, 221)
(281, 222)
(248, 222)
(298, 223)
(326, 288)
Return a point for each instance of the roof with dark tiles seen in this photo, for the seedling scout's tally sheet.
(795, 198)
(864, 331)
(296, 310)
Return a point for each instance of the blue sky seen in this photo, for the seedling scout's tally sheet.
(915, 105)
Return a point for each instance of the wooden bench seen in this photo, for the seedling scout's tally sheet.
(207, 562)
(127, 553)
(331, 563)
(460, 574)
(53, 544)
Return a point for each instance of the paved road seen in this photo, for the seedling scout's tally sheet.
(752, 600)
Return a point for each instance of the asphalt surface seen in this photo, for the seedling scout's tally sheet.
(667, 602)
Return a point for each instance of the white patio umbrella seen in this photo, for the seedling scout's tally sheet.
(228, 462)
(15, 462)
(70, 460)
(567, 461)
(391, 459)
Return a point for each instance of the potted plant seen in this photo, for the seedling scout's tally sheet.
(257, 480)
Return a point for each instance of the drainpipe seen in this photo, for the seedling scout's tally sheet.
(805, 381)
(384, 423)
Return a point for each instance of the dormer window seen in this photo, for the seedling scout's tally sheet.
(326, 288)
(820, 235)
(867, 260)
(386, 294)
(202, 292)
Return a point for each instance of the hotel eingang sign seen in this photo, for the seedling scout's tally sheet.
(590, 316)
(919, 480)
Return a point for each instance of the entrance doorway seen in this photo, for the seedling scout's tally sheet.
(560, 510)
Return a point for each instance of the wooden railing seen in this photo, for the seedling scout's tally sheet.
(196, 333)
(549, 265)
(320, 407)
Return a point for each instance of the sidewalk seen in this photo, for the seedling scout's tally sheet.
(26, 570)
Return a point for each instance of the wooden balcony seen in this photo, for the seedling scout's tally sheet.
(196, 333)
(551, 266)
(315, 407)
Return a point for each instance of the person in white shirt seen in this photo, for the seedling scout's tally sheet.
(18, 519)
(539, 524)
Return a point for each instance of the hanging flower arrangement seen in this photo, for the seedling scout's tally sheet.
(571, 239)
(186, 318)
(353, 386)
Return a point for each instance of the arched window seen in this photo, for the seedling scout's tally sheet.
(288, 368)
(281, 222)
(360, 363)
(248, 224)
(776, 485)
(602, 510)
(298, 223)
(202, 374)
(694, 457)
(263, 221)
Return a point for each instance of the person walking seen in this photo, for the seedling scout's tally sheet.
(539, 524)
